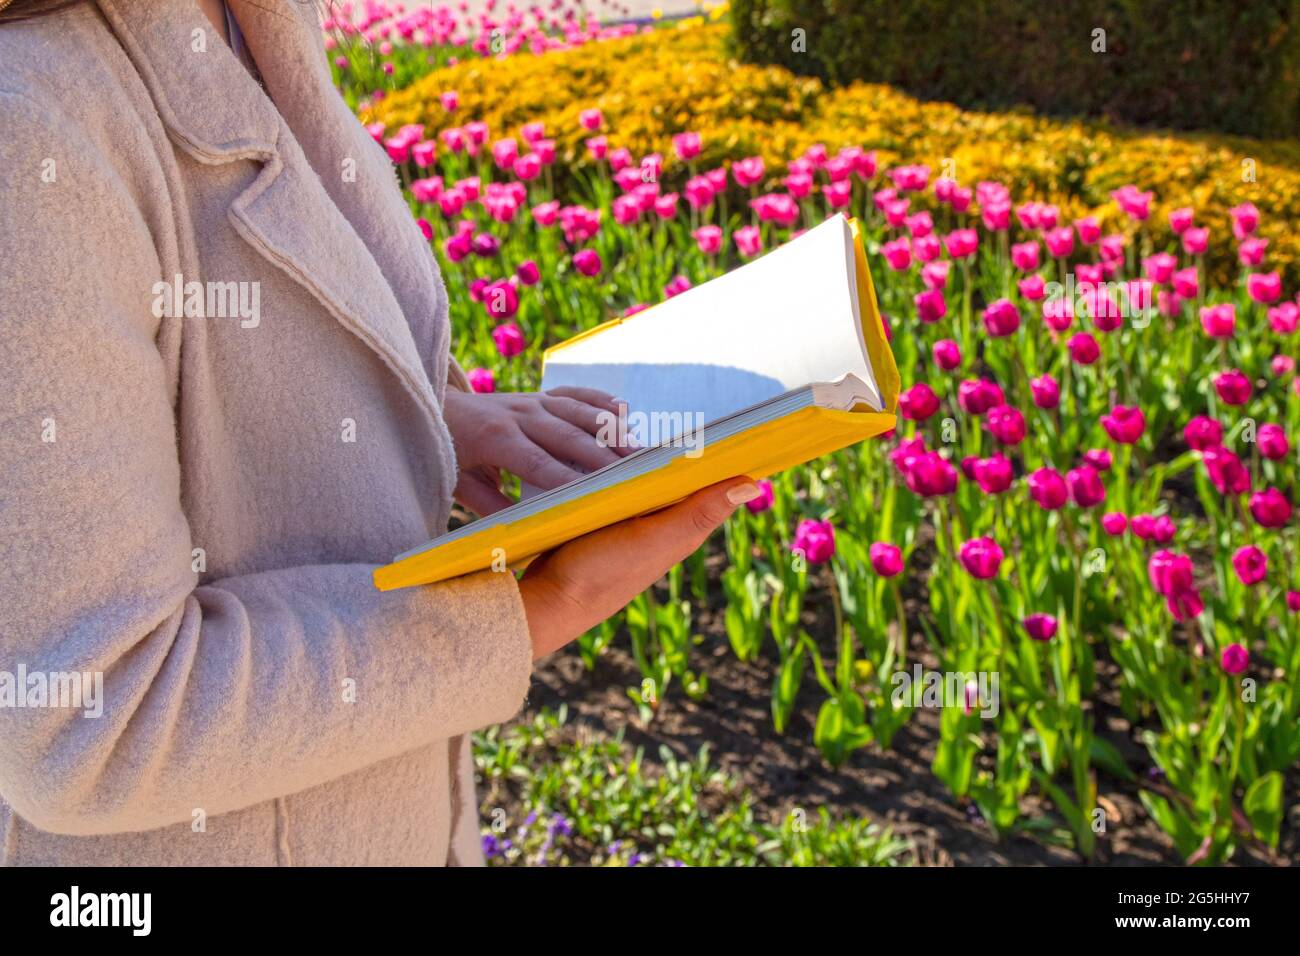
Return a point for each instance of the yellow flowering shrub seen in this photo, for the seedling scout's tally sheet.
(666, 81)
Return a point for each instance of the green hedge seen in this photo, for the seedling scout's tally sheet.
(1185, 64)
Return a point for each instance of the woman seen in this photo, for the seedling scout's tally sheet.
(195, 493)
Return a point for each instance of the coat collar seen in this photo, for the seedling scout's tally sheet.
(325, 208)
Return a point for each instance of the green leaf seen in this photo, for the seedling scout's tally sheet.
(1263, 806)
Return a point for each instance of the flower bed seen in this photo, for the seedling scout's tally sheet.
(656, 84)
(1090, 493)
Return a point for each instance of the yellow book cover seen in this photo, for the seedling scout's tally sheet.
(773, 364)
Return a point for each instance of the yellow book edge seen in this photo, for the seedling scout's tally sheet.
(775, 446)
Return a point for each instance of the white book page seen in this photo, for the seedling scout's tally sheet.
(788, 319)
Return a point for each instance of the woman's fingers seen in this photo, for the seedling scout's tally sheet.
(534, 464)
(609, 427)
(592, 396)
(670, 535)
(480, 494)
(568, 442)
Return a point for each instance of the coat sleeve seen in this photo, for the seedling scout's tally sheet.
(214, 697)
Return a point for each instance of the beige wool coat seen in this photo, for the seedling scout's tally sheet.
(192, 505)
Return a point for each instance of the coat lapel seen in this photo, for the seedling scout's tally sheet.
(301, 222)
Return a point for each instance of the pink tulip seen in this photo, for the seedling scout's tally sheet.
(1264, 287)
(981, 557)
(1058, 313)
(947, 354)
(927, 248)
(1233, 387)
(1159, 267)
(1046, 391)
(930, 305)
(1001, 318)
(996, 216)
(1272, 442)
(1186, 283)
(747, 172)
(1040, 627)
(749, 241)
(1032, 288)
(676, 286)
(450, 100)
(1098, 458)
(1196, 240)
(591, 120)
(1170, 572)
(897, 253)
(1234, 659)
(504, 153)
(930, 475)
(1285, 318)
(1180, 220)
(598, 147)
(528, 166)
(1251, 564)
(1124, 424)
(1163, 529)
(1114, 523)
(528, 272)
(1060, 242)
(962, 243)
(545, 214)
(1024, 256)
(910, 178)
(1185, 605)
(918, 403)
(709, 239)
(1245, 219)
(1085, 486)
(920, 225)
(481, 380)
(509, 339)
(665, 206)
(886, 559)
(935, 274)
(1083, 348)
(993, 474)
(1270, 508)
(816, 540)
(1088, 229)
(1006, 424)
(977, 396)
(1219, 321)
(1293, 601)
(1226, 471)
(1251, 252)
(1133, 201)
(501, 299)
(764, 500)
(1282, 365)
(686, 146)
(1202, 432)
(587, 262)
(1048, 488)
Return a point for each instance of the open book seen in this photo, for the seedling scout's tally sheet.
(771, 365)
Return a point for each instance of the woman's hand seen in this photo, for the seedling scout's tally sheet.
(575, 587)
(546, 438)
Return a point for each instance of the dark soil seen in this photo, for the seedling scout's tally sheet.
(896, 787)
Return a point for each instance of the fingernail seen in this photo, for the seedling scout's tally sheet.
(739, 494)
